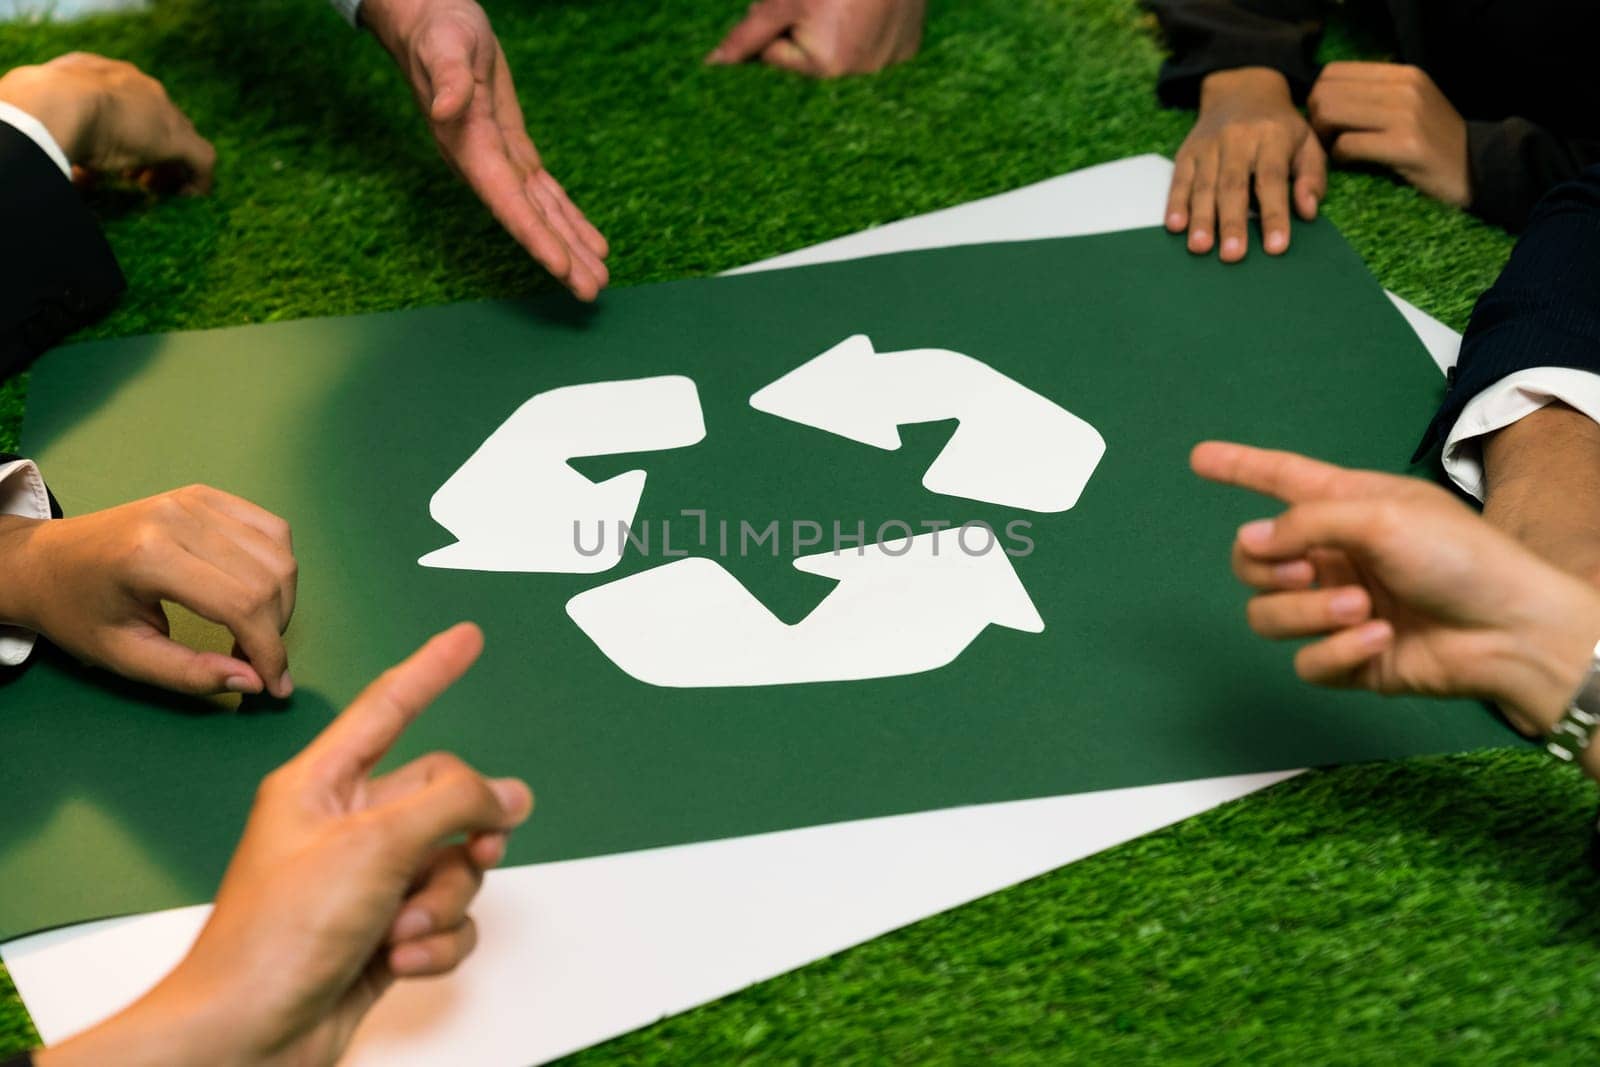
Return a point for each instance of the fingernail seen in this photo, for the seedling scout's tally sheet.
(1348, 605)
(1256, 534)
(511, 793)
(287, 683)
(1293, 572)
(240, 684)
(1277, 241)
(412, 923)
(496, 851)
(1200, 236)
(1375, 634)
(1175, 221)
(1232, 246)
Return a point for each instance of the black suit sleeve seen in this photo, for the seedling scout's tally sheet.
(58, 273)
(1543, 311)
(1513, 163)
(1210, 35)
(21, 1059)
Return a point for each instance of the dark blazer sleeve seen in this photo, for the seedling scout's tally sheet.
(1514, 163)
(22, 1059)
(57, 273)
(1210, 35)
(1543, 311)
(55, 508)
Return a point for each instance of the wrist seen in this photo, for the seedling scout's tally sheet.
(390, 21)
(19, 570)
(1257, 83)
(65, 108)
(159, 1030)
(1539, 677)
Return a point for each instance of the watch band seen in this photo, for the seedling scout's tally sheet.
(1573, 734)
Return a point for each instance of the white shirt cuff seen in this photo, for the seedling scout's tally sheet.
(35, 131)
(1510, 400)
(22, 492)
(350, 9)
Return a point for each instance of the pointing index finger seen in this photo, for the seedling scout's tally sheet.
(355, 741)
(1285, 475)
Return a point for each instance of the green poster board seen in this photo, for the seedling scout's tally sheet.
(123, 800)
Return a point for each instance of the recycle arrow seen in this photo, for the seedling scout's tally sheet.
(1013, 447)
(901, 607)
(516, 505)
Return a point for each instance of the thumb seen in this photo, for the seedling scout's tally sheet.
(787, 55)
(764, 22)
(156, 659)
(447, 54)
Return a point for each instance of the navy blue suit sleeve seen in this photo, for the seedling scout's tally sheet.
(1543, 311)
(1204, 36)
(1514, 163)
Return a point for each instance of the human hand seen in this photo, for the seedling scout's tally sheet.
(825, 38)
(94, 586)
(1409, 591)
(1393, 115)
(109, 117)
(458, 73)
(1248, 133)
(341, 884)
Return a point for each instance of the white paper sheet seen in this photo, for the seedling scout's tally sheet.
(574, 953)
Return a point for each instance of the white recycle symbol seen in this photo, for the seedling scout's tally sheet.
(902, 606)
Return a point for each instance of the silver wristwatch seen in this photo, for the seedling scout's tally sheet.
(1567, 740)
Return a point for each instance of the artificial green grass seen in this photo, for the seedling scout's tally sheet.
(1436, 910)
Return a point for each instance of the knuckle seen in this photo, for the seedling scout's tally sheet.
(168, 505)
(249, 599)
(462, 784)
(442, 764)
(1385, 519)
(260, 593)
(147, 541)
